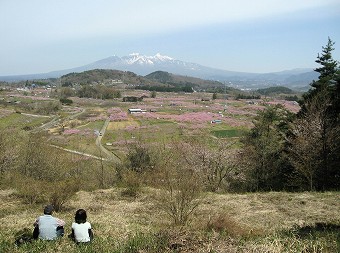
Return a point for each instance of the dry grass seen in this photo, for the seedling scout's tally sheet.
(119, 125)
(223, 222)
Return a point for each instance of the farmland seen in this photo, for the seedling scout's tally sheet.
(126, 208)
(166, 116)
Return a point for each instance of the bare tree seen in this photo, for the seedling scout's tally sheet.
(311, 140)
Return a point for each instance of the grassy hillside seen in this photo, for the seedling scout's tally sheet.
(275, 90)
(102, 75)
(253, 222)
(158, 78)
(168, 78)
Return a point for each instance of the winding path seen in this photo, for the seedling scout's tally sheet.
(111, 156)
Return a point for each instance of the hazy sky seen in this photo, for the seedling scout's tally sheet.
(39, 36)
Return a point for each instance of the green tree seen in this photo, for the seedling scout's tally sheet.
(326, 84)
(263, 149)
(153, 94)
(320, 105)
(139, 158)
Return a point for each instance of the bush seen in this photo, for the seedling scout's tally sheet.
(57, 193)
(180, 194)
(66, 101)
(29, 189)
(131, 180)
(224, 224)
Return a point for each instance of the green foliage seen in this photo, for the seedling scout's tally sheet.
(161, 76)
(318, 126)
(264, 149)
(153, 94)
(97, 91)
(275, 90)
(228, 133)
(163, 88)
(178, 81)
(139, 158)
(214, 96)
(66, 101)
(117, 94)
(59, 192)
(292, 98)
(328, 75)
(138, 242)
(98, 76)
(244, 96)
(132, 99)
(66, 92)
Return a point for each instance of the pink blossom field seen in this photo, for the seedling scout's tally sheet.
(167, 115)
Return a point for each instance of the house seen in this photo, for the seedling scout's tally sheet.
(215, 121)
(136, 110)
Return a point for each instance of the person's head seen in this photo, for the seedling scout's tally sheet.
(48, 209)
(80, 216)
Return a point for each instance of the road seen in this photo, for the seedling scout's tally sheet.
(57, 120)
(110, 155)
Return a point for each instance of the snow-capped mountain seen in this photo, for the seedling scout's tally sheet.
(136, 58)
(144, 65)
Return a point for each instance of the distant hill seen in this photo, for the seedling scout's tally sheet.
(158, 78)
(168, 78)
(275, 90)
(102, 75)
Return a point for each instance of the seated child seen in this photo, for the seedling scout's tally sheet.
(81, 229)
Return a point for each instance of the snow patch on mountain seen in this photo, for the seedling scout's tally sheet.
(137, 58)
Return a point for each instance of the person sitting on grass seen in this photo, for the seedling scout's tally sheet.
(81, 229)
(47, 227)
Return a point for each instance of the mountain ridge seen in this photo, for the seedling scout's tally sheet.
(143, 65)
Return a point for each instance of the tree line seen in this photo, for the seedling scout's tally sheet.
(287, 151)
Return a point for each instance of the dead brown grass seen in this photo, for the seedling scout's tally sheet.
(224, 217)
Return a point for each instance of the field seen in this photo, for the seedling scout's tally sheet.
(253, 222)
(249, 222)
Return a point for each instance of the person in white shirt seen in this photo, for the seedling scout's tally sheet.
(81, 229)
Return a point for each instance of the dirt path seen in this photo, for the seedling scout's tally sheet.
(110, 155)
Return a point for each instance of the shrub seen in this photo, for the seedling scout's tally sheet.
(57, 193)
(224, 224)
(180, 194)
(131, 180)
(29, 189)
(144, 243)
(66, 101)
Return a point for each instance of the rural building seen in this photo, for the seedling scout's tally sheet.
(137, 110)
(216, 121)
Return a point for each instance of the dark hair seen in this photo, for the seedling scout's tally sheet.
(80, 216)
(48, 209)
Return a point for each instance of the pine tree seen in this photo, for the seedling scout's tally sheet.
(328, 71)
(321, 104)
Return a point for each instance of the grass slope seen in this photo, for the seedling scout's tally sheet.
(254, 222)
